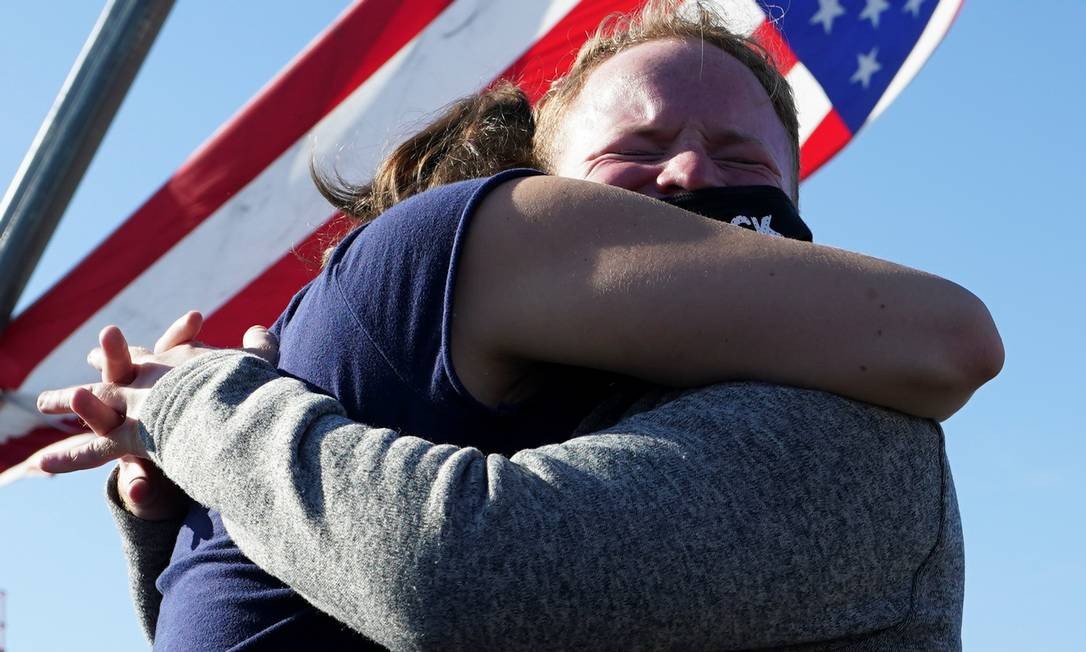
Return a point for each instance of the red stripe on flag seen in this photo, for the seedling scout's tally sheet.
(773, 41)
(261, 301)
(826, 140)
(16, 449)
(332, 67)
(551, 56)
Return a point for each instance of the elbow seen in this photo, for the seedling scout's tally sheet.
(971, 354)
(988, 361)
(978, 349)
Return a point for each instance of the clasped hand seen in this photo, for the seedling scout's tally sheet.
(111, 409)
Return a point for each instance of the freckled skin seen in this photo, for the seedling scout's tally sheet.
(670, 116)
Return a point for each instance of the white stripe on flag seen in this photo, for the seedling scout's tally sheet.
(744, 16)
(812, 104)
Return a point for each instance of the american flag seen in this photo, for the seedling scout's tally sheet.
(230, 231)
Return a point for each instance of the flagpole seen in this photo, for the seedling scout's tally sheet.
(68, 138)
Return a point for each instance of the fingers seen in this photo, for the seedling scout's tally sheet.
(184, 330)
(89, 455)
(32, 465)
(116, 436)
(105, 422)
(146, 492)
(115, 361)
(259, 341)
(101, 418)
(97, 359)
(59, 401)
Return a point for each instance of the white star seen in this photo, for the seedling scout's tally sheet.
(873, 9)
(913, 7)
(828, 11)
(867, 66)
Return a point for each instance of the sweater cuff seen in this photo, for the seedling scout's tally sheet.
(147, 546)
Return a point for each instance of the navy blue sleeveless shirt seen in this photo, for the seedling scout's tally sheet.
(373, 331)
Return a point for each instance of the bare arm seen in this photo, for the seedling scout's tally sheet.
(571, 272)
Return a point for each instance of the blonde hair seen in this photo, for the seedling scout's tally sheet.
(497, 129)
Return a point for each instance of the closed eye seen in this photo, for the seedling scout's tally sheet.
(741, 161)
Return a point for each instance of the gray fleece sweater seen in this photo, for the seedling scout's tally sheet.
(737, 516)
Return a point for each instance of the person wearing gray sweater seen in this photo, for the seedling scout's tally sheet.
(735, 516)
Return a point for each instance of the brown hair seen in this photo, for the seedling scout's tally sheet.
(475, 136)
(497, 129)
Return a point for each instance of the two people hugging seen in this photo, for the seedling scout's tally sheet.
(560, 389)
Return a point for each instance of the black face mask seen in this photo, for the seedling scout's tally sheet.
(764, 209)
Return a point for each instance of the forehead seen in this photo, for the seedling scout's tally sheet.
(670, 81)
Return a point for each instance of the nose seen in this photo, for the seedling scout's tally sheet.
(686, 170)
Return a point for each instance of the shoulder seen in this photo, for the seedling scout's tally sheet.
(407, 255)
(374, 325)
(428, 219)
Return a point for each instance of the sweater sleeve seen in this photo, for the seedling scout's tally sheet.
(736, 516)
(146, 546)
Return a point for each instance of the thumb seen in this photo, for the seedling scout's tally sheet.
(147, 493)
(260, 342)
(134, 483)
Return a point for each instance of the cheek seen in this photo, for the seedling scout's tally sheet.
(637, 177)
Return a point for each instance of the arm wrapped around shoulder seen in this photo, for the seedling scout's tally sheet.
(582, 274)
(741, 515)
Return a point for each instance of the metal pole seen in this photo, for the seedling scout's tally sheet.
(71, 133)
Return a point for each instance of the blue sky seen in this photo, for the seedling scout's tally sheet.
(974, 173)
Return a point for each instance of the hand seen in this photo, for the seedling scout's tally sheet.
(109, 408)
(142, 487)
(146, 492)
